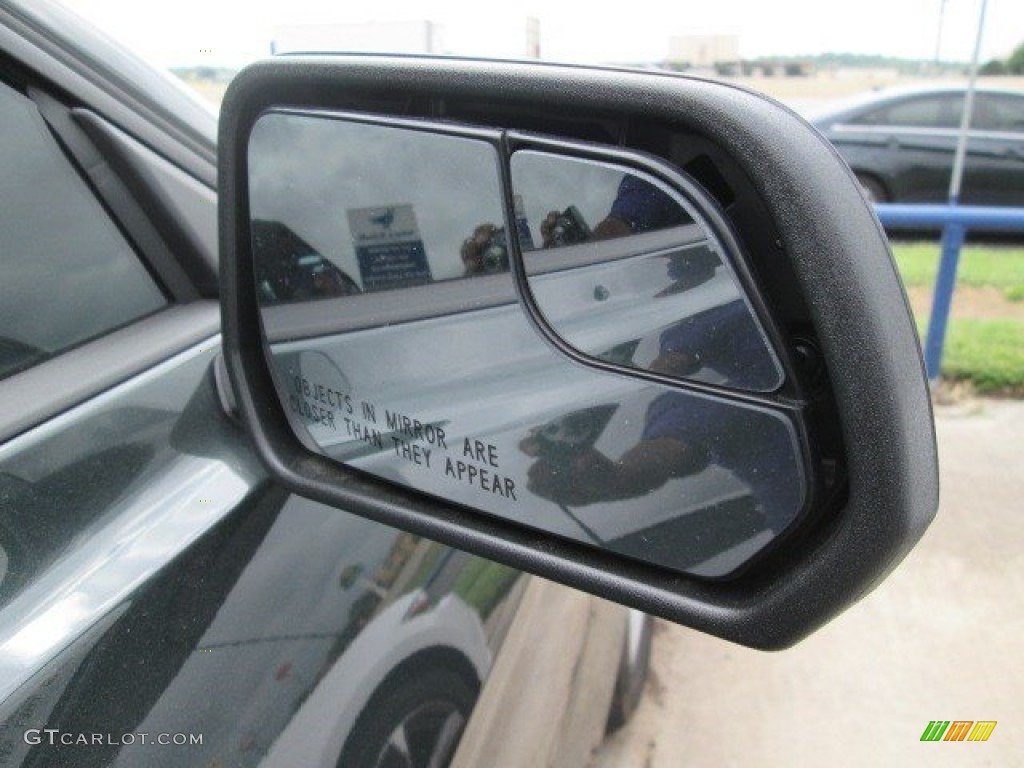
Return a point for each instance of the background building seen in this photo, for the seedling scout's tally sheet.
(704, 51)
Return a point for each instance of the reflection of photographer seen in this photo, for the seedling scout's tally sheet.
(682, 436)
(565, 228)
(570, 471)
(486, 251)
(587, 476)
(639, 206)
(642, 207)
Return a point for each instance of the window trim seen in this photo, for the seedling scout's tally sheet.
(107, 184)
(39, 393)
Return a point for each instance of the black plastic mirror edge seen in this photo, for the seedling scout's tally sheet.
(845, 270)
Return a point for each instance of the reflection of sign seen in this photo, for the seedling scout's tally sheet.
(389, 247)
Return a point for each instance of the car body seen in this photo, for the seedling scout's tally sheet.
(901, 143)
(155, 585)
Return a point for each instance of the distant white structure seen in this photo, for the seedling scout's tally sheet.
(704, 51)
(532, 37)
(369, 37)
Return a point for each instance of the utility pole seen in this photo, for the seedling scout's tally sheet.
(952, 234)
(938, 33)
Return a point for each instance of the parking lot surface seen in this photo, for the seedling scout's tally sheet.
(941, 639)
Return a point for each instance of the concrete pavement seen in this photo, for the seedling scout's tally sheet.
(941, 639)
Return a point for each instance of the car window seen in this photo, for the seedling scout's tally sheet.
(68, 273)
(925, 112)
(998, 112)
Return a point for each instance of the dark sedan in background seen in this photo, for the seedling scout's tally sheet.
(901, 143)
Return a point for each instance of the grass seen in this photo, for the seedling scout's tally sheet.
(996, 266)
(482, 584)
(987, 352)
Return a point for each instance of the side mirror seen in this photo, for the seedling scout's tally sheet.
(640, 334)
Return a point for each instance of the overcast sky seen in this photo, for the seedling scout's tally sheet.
(233, 32)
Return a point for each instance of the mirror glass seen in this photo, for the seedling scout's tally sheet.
(624, 269)
(401, 347)
(363, 217)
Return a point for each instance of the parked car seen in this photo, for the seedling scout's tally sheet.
(162, 601)
(901, 142)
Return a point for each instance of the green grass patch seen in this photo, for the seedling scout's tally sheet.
(482, 584)
(998, 266)
(988, 353)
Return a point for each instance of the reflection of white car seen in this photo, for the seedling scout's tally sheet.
(287, 669)
(392, 655)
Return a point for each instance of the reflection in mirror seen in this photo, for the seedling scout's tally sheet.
(376, 212)
(445, 386)
(288, 269)
(647, 285)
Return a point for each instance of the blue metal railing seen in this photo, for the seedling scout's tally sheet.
(955, 220)
(978, 218)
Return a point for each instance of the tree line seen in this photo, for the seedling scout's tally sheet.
(1012, 65)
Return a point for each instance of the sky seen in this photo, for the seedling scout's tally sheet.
(232, 32)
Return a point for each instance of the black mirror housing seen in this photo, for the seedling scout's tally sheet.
(810, 255)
